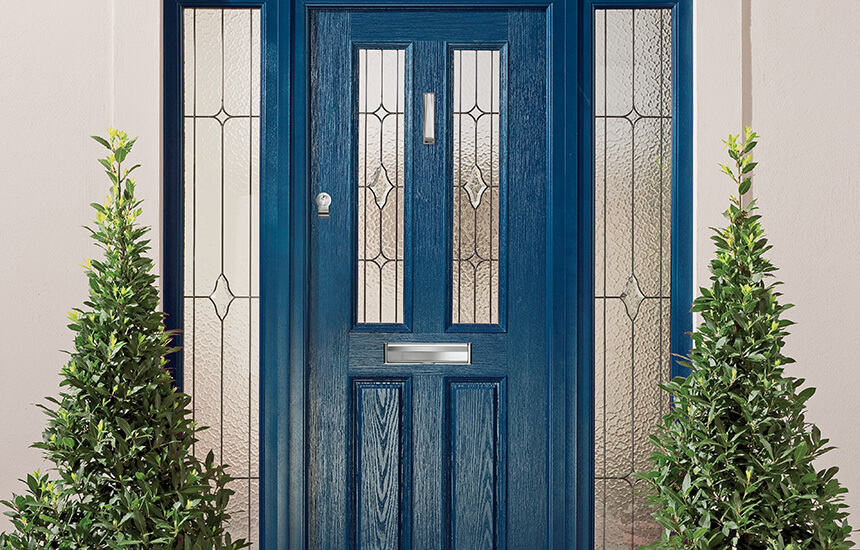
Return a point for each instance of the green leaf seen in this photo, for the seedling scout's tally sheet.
(749, 168)
(800, 451)
(732, 458)
(123, 423)
(806, 394)
(118, 435)
(103, 141)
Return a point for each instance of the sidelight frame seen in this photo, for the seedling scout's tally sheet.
(682, 223)
(284, 242)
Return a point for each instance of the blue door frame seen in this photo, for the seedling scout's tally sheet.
(284, 243)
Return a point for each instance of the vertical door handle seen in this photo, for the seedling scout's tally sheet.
(429, 118)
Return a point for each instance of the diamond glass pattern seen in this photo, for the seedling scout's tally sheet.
(222, 64)
(221, 297)
(381, 184)
(633, 206)
(632, 297)
(476, 114)
(475, 187)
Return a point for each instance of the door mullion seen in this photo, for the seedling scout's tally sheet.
(429, 180)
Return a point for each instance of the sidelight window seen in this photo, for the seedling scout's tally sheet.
(633, 211)
(221, 262)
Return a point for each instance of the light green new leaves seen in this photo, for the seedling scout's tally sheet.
(732, 466)
(119, 436)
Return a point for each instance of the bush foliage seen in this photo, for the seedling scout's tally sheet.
(119, 435)
(733, 465)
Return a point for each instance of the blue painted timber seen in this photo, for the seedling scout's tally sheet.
(285, 240)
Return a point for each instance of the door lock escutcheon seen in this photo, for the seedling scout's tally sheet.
(323, 204)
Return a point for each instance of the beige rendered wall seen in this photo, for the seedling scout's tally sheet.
(67, 70)
(790, 69)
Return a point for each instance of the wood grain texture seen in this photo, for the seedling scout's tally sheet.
(380, 432)
(527, 404)
(474, 464)
(287, 253)
(428, 191)
(427, 447)
(452, 482)
(330, 317)
(430, 26)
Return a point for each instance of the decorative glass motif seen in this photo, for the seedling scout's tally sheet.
(221, 296)
(475, 187)
(632, 297)
(476, 125)
(633, 208)
(381, 198)
(380, 186)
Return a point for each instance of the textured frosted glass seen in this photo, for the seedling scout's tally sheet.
(188, 343)
(254, 370)
(619, 389)
(221, 235)
(189, 201)
(618, 515)
(207, 376)
(647, 207)
(237, 201)
(254, 517)
(381, 179)
(237, 62)
(648, 372)
(475, 161)
(239, 508)
(647, 45)
(618, 48)
(237, 384)
(208, 198)
(208, 56)
(633, 208)
(618, 203)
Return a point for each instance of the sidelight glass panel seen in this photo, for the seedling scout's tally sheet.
(222, 194)
(475, 137)
(381, 198)
(633, 207)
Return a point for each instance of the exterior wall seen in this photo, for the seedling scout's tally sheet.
(804, 102)
(786, 66)
(69, 70)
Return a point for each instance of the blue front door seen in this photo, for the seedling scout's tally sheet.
(428, 130)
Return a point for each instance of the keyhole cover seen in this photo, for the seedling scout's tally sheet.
(323, 203)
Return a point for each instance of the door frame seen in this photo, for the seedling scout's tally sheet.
(284, 243)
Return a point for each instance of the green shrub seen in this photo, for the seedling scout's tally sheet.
(733, 465)
(119, 435)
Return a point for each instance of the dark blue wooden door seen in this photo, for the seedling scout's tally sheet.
(430, 239)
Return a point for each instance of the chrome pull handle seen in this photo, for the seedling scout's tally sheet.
(429, 118)
(323, 204)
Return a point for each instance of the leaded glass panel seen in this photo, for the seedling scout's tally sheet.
(633, 205)
(381, 179)
(221, 260)
(476, 86)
